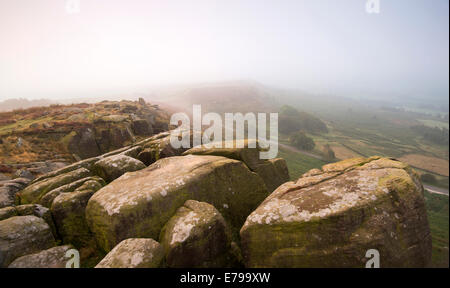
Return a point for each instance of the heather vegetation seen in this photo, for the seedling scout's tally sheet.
(67, 133)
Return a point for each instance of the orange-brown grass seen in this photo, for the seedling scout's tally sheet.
(432, 164)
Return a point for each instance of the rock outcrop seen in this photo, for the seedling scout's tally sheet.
(34, 192)
(9, 189)
(331, 217)
(134, 253)
(113, 167)
(196, 236)
(89, 183)
(68, 210)
(212, 207)
(22, 235)
(51, 258)
(75, 132)
(138, 204)
(274, 172)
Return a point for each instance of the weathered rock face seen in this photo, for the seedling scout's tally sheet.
(114, 137)
(274, 172)
(330, 218)
(38, 211)
(83, 144)
(115, 166)
(138, 204)
(68, 210)
(34, 192)
(29, 209)
(22, 235)
(51, 258)
(89, 183)
(9, 189)
(142, 127)
(134, 253)
(196, 236)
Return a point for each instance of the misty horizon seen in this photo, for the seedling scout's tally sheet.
(319, 47)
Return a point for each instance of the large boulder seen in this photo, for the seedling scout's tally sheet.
(115, 166)
(274, 172)
(196, 236)
(34, 192)
(332, 217)
(134, 253)
(38, 211)
(51, 258)
(22, 235)
(68, 210)
(138, 204)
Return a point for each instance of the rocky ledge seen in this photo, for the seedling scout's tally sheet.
(149, 205)
(332, 217)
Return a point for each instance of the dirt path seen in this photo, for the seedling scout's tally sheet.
(436, 190)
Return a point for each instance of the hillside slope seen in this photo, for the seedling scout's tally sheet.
(68, 133)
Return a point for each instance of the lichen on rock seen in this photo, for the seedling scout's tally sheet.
(138, 204)
(22, 235)
(54, 257)
(113, 167)
(331, 219)
(196, 236)
(134, 253)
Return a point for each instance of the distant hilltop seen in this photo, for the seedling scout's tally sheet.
(69, 133)
(22, 103)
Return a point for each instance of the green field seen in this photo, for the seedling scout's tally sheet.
(437, 208)
(299, 164)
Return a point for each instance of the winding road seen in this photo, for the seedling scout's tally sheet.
(436, 190)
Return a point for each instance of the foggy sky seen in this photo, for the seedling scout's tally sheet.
(315, 45)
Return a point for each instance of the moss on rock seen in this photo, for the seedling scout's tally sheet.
(197, 236)
(138, 204)
(115, 166)
(68, 210)
(332, 219)
(22, 235)
(134, 253)
(34, 192)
